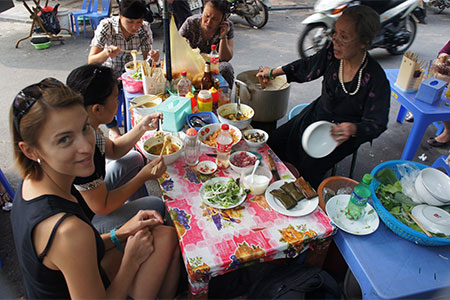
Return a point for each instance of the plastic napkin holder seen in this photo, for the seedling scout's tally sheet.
(174, 110)
(430, 90)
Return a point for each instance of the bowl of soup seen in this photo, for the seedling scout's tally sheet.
(130, 68)
(227, 114)
(153, 147)
(146, 104)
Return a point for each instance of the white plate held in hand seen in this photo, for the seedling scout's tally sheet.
(317, 140)
(367, 224)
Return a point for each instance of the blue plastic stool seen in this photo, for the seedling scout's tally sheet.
(440, 163)
(6, 184)
(296, 110)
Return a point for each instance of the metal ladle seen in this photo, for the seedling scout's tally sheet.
(238, 83)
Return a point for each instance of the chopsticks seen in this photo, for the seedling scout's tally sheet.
(418, 224)
(134, 104)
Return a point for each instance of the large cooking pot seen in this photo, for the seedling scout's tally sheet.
(270, 104)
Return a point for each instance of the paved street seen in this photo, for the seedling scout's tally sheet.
(273, 45)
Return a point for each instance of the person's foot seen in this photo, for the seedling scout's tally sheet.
(434, 143)
(409, 117)
(5, 199)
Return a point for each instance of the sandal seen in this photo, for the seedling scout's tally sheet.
(433, 143)
(5, 202)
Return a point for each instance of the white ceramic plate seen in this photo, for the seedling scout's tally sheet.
(222, 179)
(433, 218)
(206, 167)
(367, 224)
(303, 207)
(317, 140)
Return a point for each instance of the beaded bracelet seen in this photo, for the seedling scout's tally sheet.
(270, 74)
(115, 240)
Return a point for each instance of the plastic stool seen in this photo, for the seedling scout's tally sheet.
(296, 110)
(6, 184)
(440, 163)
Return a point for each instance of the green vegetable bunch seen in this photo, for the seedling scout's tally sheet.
(224, 194)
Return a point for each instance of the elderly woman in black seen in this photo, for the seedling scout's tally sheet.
(355, 95)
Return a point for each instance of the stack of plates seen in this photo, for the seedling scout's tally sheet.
(433, 187)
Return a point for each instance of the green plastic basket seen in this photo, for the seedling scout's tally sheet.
(42, 45)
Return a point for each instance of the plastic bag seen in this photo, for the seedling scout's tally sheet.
(49, 20)
(184, 58)
(408, 174)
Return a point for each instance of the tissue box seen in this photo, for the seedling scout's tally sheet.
(430, 90)
(174, 110)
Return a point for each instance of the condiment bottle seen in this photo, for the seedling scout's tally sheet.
(191, 147)
(207, 81)
(358, 199)
(215, 98)
(224, 142)
(191, 97)
(184, 86)
(204, 100)
(214, 60)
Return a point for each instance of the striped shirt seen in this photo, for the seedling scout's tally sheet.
(109, 33)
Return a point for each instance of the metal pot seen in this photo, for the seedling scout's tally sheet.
(270, 104)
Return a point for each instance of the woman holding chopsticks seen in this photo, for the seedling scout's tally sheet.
(122, 177)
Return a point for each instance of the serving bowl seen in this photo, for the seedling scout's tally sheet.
(249, 157)
(205, 134)
(147, 104)
(260, 181)
(424, 194)
(230, 109)
(168, 159)
(249, 136)
(129, 66)
(437, 183)
(317, 140)
(432, 218)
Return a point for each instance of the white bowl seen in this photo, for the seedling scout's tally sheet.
(317, 140)
(168, 159)
(252, 144)
(150, 104)
(242, 170)
(432, 218)
(210, 129)
(437, 183)
(231, 108)
(260, 182)
(129, 66)
(206, 167)
(424, 194)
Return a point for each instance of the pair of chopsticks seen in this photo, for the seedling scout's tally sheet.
(134, 104)
(418, 224)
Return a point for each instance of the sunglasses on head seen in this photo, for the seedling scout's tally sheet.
(28, 96)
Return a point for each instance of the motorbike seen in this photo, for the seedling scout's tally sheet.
(255, 12)
(397, 32)
(441, 4)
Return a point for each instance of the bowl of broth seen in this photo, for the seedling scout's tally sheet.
(146, 104)
(227, 114)
(153, 146)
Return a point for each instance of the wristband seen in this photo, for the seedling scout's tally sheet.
(270, 74)
(115, 240)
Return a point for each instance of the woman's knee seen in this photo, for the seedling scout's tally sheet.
(166, 237)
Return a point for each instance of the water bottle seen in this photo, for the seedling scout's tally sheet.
(191, 147)
(214, 60)
(184, 86)
(224, 142)
(359, 198)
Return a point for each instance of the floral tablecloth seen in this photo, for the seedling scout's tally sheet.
(215, 241)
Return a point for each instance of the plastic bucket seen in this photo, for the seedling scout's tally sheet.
(63, 18)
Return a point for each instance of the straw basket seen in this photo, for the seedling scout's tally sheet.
(334, 183)
(395, 225)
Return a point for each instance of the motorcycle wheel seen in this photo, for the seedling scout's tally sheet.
(313, 38)
(411, 27)
(261, 18)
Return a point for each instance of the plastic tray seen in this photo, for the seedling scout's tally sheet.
(207, 116)
(391, 222)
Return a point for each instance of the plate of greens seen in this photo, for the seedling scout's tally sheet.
(222, 193)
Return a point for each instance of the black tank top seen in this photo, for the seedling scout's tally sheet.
(41, 282)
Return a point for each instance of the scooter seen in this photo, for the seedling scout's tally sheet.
(441, 4)
(397, 31)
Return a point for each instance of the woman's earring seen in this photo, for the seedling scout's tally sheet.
(38, 160)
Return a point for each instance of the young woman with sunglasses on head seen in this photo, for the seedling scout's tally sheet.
(355, 94)
(120, 172)
(60, 253)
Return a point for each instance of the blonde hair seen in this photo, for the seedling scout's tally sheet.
(30, 126)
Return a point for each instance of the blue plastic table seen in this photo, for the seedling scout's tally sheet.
(424, 114)
(388, 267)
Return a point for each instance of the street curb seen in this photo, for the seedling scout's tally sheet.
(13, 19)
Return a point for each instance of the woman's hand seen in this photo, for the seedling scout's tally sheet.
(144, 219)
(150, 122)
(224, 28)
(343, 131)
(139, 246)
(263, 74)
(155, 169)
(113, 51)
(154, 55)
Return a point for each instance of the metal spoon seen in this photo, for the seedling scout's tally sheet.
(238, 98)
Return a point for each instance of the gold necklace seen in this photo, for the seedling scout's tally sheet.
(341, 76)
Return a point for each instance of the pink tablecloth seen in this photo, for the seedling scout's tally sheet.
(215, 241)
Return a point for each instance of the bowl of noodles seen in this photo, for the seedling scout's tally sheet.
(227, 114)
(130, 68)
(153, 146)
(208, 134)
